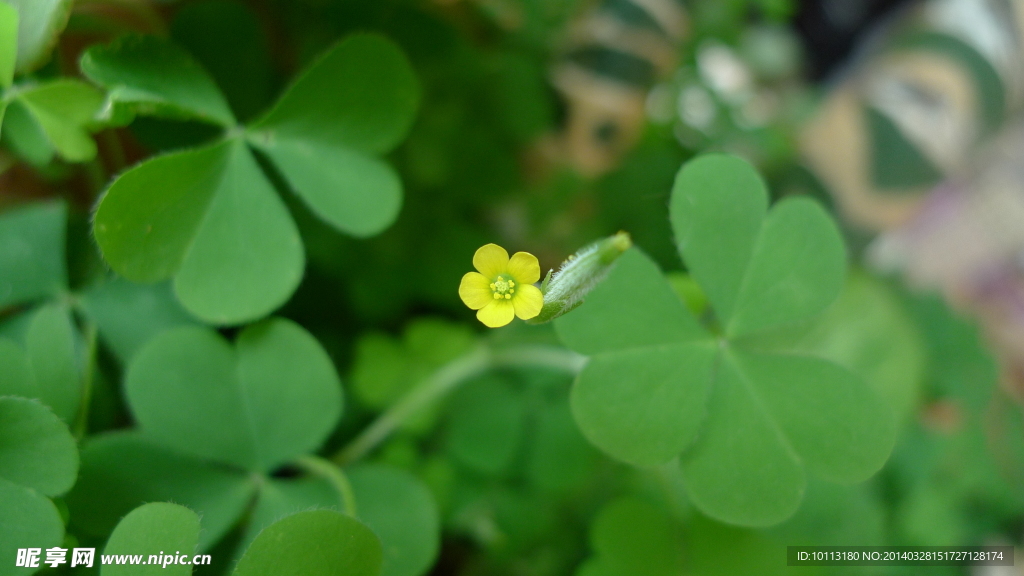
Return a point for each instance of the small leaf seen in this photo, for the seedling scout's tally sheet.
(350, 190)
(362, 95)
(272, 396)
(23, 135)
(209, 218)
(27, 520)
(159, 529)
(357, 101)
(128, 315)
(632, 536)
(32, 253)
(36, 448)
(152, 76)
(796, 271)
(122, 470)
(560, 457)
(8, 45)
(313, 543)
(718, 203)
(658, 414)
(64, 109)
(50, 344)
(401, 512)
(280, 498)
(486, 425)
(40, 23)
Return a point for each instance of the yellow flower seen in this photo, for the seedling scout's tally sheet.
(502, 287)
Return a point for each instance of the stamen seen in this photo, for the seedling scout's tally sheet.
(507, 296)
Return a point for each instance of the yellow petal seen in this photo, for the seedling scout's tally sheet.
(491, 260)
(475, 290)
(497, 313)
(524, 267)
(527, 301)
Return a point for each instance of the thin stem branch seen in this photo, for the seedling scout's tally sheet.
(449, 377)
(317, 466)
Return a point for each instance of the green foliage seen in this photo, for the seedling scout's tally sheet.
(45, 365)
(400, 510)
(157, 528)
(631, 536)
(36, 448)
(271, 397)
(39, 24)
(122, 470)
(8, 46)
(145, 75)
(747, 423)
(313, 543)
(200, 216)
(32, 253)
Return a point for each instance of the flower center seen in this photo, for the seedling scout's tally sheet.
(503, 288)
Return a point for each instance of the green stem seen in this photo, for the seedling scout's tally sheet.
(325, 469)
(449, 377)
(92, 349)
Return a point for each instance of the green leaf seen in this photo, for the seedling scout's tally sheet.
(64, 109)
(280, 498)
(122, 470)
(157, 528)
(8, 45)
(349, 189)
(718, 203)
(40, 23)
(632, 308)
(271, 397)
(644, 405)
(27, 520)
(402, 513)
(632, 536)
(44, 368)
(128, 315)
(36, 448)
(486, 425)
(32, 253)
(560, 457)
(152, 76)
(361, 95)
(50, 344)
(209, 218)
(746, 425)
(24, 136)
(796, 271)
(774, 416)
(313, 543)
(357, 101)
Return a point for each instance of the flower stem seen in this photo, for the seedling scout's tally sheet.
(318, 466)
(92, 349)
(447, 378)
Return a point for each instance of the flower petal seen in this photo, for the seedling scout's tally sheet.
(527, 300)
(475, 290)
(496, 314)
(524, 267)
(491, 260)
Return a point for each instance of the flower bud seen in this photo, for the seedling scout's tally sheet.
(566, 288)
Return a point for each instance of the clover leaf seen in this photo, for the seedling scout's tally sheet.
(272, 396)
(159, 529)
(38, 458)
(313, 543)
(746, 425)
(209, 217)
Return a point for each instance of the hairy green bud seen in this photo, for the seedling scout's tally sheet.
(566, 288)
